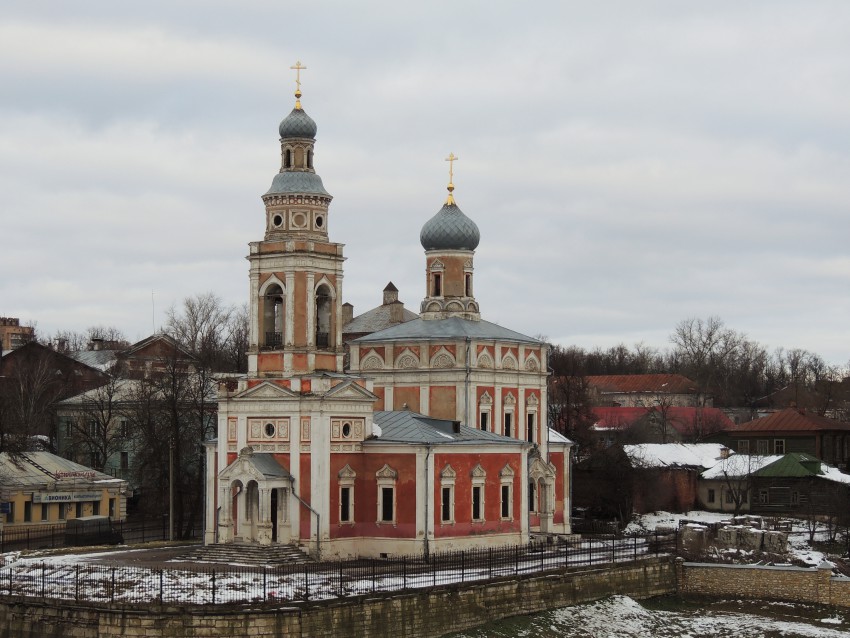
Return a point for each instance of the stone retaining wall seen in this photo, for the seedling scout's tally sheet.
(413, 614)
(795, 584)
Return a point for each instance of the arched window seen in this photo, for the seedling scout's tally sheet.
(309, 158)
(323, 317)
(287, 159)
(437, 287)
(273, 316)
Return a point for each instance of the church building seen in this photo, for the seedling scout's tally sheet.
(433, 439)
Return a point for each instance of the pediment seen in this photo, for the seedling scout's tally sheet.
(507, 471)
(267, 390)
(478, 472)
(540, 469)
(241, 469)
(347, 473)
(350, 390)
(448, 473)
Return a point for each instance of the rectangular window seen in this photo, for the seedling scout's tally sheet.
(446, 510)
(485, 418)
(761, 447)
(124, 429)
(795, 498)
(744, 496)
(763, 498)
(92, 428)
(779, 446)
(68, 427)
(730, 496)
(63, 511)
(95, 508)
(477, 505)
(438, 285)
(744, 447)
(506, 501)
(345, 504)
(711, 496)
(125, 460)
(28, 512)
(79, 511)
(112, 508)
(468, 282)
(530, 427)
(45, 511)
(508, 419)
(387, 504)
(10, 517)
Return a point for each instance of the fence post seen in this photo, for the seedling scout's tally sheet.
(43, 574)
(489, 562)
(463, 566)
(613, 558)
(404, 572)
(265, 583)
(112, 588)
(76, 582)
(28, 537)
(516, 560)
(635, 556)
(213, 587)
(307, 583)
(161, 598)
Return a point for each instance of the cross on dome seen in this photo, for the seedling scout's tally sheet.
(298, 67)
(451, 159)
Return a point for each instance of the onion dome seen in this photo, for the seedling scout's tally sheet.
(298, 124)
(450, 229)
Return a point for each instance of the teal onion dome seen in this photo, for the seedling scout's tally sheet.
(450, 229)
(297, 124)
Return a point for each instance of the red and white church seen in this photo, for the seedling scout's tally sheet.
(435, 438)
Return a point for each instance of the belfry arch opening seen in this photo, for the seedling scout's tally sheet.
(274, 306)
(323, 317)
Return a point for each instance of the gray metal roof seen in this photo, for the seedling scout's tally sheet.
(20, 473)
(102, 360)
(268, 466)
(450, 229)
(297, 182)
(297, 124)
(404, 426)
(376, 319)
(450, 328)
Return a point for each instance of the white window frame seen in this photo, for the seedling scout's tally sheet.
(485, 412)
(478, 478)
(506, 480)
(447, 482)
(777, 443)
(346, 478)
(386, 478)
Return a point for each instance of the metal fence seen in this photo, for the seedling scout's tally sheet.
(64, 579)
(50, 536)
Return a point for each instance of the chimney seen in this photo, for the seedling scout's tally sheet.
(396, 311)
(724, 452)
(390, 294)
(347, 313)
(456, 427)
(96, 344)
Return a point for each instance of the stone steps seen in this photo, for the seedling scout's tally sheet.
(246, 554)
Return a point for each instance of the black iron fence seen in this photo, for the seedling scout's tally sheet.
(81, 581)
(133, 532)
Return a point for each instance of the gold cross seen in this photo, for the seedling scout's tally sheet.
(451, 159)
(298, 68)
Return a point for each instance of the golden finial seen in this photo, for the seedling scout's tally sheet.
(298, 68)
(451, 159)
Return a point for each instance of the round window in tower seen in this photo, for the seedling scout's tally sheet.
(277, 220)
(269, 429)
(320, 222)
(346, 430)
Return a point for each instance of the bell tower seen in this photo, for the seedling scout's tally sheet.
(296, 271)
(449, 239)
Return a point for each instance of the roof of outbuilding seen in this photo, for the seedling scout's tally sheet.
(404, 426)
(450, 328)
(674, 455)
(791, 420)
(102, 360)
(267, 465)
(21, 473)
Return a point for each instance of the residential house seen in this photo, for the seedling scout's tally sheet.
(645, 390)
(657, 424)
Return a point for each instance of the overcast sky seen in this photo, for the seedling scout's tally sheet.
(629, 164)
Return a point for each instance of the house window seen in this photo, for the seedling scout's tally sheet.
(763, 498)
(468, 284)
(506, 501)
(730, 497)
(68, 427)
(478, 503)
(92, 428)
(79, 511)
(124, 429)
(447, 505)
(744, 447)
(761, 447)
(28, 512)
(344, 504)
(509, 417)
(10, 517)
(45, 511)
(63, 511)
(95, 508)
(386, 505)
(711, 496)
(112, 508)
(795, 497)
(779, 446)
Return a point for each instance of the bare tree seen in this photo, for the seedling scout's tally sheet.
(215, 334)
(97, 430)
